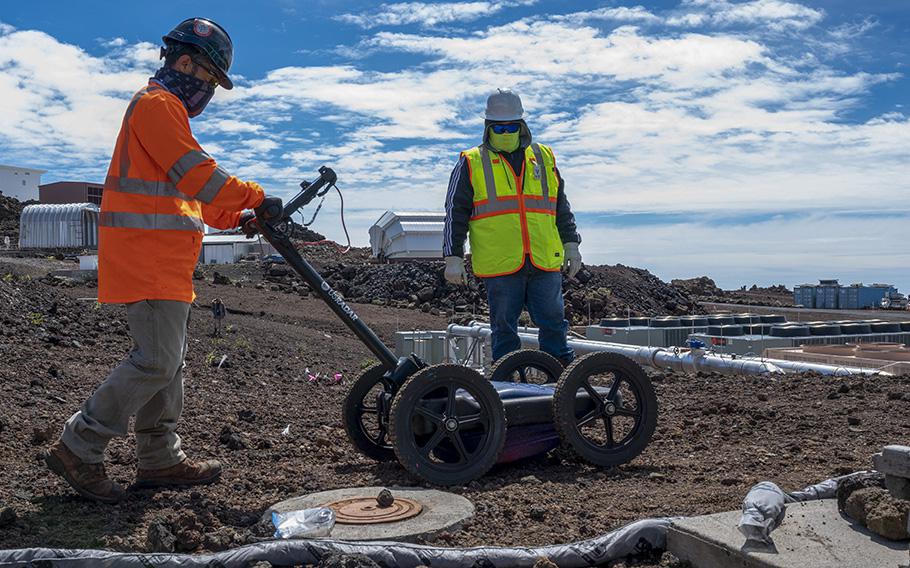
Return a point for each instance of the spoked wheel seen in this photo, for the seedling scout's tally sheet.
(366, 414)
(605, 408)
(448, 425)
(526, 366)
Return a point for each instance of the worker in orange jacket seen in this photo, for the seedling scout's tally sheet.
(161, 189)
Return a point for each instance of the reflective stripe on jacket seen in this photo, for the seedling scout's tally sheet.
(160, 192)
(514, 214)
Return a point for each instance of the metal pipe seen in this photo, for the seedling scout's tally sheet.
(678, 359)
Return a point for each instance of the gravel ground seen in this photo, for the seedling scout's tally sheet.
(716, 435)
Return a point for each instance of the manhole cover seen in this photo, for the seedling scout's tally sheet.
(366, 511)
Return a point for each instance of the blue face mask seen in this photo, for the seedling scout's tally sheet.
(192, 91)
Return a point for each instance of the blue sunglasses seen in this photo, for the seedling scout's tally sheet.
(510, 128)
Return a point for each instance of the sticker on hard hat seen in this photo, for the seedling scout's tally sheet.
(201, 28)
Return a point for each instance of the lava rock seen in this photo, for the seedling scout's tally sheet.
(221, 279)
(160, 538)
(7, 516)
(385, 499)
(42, 435)
(234, 439)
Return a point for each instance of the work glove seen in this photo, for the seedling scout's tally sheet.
(270, 209)
(455, 273)
(572, 263)
(248, 225)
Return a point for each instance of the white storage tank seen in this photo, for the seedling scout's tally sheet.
(406, 235)
(59, 226)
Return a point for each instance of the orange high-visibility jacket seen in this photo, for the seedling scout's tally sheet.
(160, 189)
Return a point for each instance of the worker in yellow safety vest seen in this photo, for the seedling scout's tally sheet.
(508, 197)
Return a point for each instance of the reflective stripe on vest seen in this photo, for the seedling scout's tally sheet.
(495, 204)
(143, 187)
(190, 160)
(185, 163)
(511, 222)
(151, 221)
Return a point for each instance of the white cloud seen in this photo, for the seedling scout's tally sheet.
(618, 13)
(62, 106)
(428, 14)
(777, 15)
(228, 126)
(115, 42)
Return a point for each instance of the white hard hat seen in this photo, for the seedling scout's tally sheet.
(504, 105)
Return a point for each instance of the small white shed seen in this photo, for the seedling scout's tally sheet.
(407, 235)
(59, 226)
(228, 249)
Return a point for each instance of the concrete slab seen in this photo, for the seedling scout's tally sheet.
(441, 512)
(814, 535)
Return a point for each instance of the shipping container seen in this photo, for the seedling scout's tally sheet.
(804, 295)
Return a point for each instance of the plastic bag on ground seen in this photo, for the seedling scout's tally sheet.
(633, 539)
(764, 507)
(763, 511)
(305, 523)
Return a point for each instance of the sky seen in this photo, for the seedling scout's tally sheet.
(753, 141)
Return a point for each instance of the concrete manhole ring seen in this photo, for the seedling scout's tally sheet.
(366, 510)
(439, 511)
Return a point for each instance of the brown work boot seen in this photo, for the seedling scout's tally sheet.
(184, 473)
(88, 479)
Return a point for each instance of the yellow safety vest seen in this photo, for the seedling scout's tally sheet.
(514, 214)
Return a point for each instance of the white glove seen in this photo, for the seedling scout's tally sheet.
(572, 262)
(455, 273)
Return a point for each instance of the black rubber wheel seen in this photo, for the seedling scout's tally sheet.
(366, 414)
(526, 366)
(605, 408)
(441, 438)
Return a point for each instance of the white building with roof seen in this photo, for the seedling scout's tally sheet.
(228, 249)
(403, 235)
(21, 183)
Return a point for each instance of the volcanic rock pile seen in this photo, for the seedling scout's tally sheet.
(10, 210)
(609, 290)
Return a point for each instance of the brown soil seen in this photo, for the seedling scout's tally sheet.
(716, 435)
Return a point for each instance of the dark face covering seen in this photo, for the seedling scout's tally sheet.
(192, 91)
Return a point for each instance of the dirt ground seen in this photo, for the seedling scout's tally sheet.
(716, 435)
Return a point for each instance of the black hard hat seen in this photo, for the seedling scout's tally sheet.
(211, 39)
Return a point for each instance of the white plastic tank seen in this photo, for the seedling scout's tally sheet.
(65, 225)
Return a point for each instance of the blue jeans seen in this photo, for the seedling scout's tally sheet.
(541, 293)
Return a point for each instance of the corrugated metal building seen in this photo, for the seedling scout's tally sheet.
(228, 249)
(406, 236)
(69, 226)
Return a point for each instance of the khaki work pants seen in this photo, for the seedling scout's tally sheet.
(148, 384)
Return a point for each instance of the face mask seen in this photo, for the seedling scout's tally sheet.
(504, 142)
(192, 91)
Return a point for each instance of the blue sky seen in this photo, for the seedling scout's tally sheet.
(755, 141)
